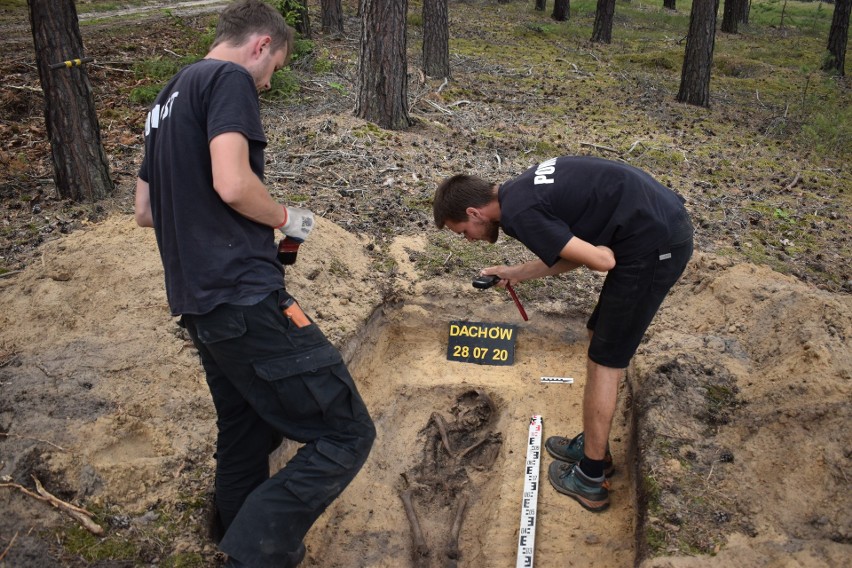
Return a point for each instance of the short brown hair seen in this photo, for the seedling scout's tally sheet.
(239, 20)
(456, 194)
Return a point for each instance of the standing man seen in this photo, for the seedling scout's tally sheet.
(271, 371)
(608, 217)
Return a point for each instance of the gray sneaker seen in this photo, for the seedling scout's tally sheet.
(569, 479)
(570, 450)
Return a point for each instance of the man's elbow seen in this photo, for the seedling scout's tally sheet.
(229, 192)
(606, 265)
(605, 260)
(144, 219)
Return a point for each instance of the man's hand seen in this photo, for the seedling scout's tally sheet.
(299, 223)
(506, 274)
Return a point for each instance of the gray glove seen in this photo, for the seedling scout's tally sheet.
(299, 223)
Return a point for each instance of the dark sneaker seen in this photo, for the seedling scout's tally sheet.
(570, 450)
(569, 479)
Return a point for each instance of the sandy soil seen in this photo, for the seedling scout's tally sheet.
(103, 401)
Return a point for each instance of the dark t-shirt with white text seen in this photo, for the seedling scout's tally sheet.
(600, 201)
(211, 254)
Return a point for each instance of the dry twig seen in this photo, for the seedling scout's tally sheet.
(58, 447)
(11, 542)
(82, 516)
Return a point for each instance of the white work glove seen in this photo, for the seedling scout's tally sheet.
(299, 223)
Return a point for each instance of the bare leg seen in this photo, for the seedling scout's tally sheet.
(599, 400)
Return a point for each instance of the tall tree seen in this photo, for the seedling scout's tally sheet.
(303, 18)
(540, 5)
(731, 14)
(745, 8)
(382, 70)
(561, 10)
(838, 36)
(670, 4)
(602, 31)
(80, 167)
(332, 16)
(695, 77)
(436, 38)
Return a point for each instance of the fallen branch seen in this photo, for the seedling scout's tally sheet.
(33, 439)
(82, 516)
(597, 147)
(11, 542)
(793, 183)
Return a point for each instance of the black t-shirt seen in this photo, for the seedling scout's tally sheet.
(211, 254)
(600, 201)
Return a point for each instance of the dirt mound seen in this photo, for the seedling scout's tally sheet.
(742, 413)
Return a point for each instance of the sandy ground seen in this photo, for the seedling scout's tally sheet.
(104, 401)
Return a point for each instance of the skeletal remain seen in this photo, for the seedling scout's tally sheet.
(441, 478)
(452, 551)
(421, 549)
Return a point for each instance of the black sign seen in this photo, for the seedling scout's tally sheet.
(481, 343)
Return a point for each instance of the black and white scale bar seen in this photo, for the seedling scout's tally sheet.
(568, 380)
(529, 503)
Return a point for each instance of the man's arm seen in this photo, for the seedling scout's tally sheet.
(575, 254)
(236, 183)
(142, 207)
(599, 258)
(528, 271)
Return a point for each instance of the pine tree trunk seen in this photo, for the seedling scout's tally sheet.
(540, 5)
(436, 38)
(745, 8)
(561, 10)
(602, 32)
(383, 69)
(80, 166)
(731, 16)
(303, 23)
(698, 60)
(838, 36)
(670, 4)
(332, 17)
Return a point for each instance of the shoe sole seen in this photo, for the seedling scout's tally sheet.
(588, 504)
(609, 472)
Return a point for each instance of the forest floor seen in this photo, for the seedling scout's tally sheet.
(732, 437)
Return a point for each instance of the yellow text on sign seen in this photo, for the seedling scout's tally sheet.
(481, 343)
(482, 331)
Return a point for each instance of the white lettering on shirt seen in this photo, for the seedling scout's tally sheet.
(159, 113)
(543, 170)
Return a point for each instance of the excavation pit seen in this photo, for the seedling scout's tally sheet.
(401, 366)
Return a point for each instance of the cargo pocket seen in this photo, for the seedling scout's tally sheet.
(221, 325)
(305, 383)
(332, 467)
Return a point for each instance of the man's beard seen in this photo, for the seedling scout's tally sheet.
(492, 231)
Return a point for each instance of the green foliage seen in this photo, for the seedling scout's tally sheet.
(414, 19)
(146, 94)
(656, 540)
(80, 542)
(157, 71)
(291, 10)
(302, 48)
(652, 492)
(808, 16)
(283, 85)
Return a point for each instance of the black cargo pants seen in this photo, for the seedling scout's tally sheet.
(269, 379)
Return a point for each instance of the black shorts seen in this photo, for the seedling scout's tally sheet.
(631, 295)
